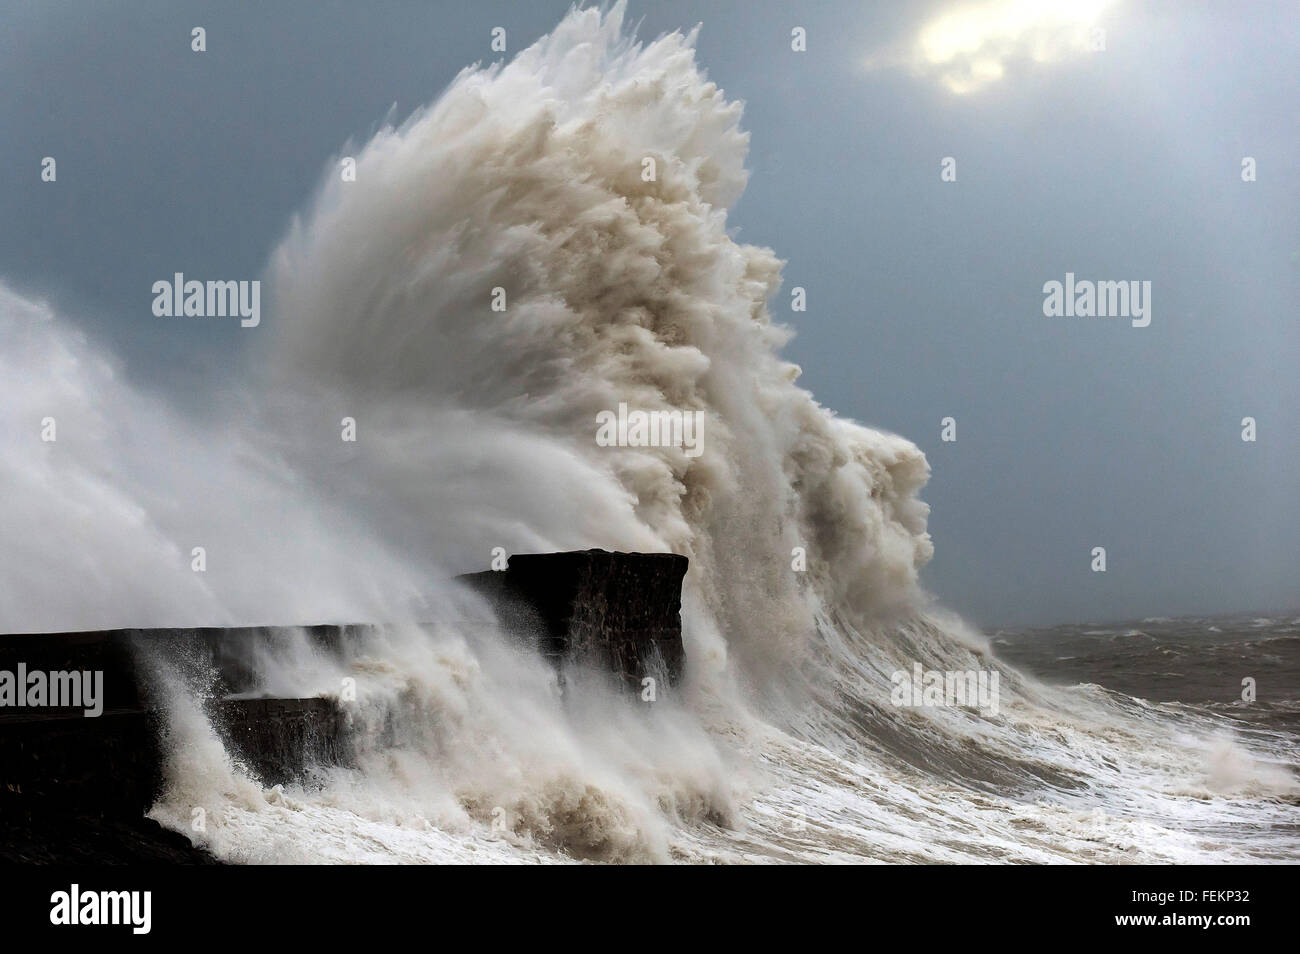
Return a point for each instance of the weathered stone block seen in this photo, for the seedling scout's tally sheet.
(619, 612)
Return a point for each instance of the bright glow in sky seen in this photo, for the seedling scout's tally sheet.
(967, 47)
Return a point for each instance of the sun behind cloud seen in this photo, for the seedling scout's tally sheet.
(969, 46)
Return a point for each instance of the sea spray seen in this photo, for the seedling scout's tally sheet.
(619, 293)
(498, 273)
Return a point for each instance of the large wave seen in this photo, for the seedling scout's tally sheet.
(528, 177)
(476, 429)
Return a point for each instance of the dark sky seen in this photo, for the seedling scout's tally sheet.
(925, 297)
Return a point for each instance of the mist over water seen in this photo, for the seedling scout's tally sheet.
(476, 429)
